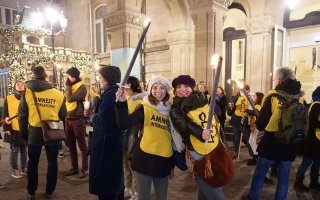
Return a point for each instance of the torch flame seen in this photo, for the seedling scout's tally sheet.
(215, 60)
(146, 22)
(240, 85)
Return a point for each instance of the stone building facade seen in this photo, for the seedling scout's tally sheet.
(253, 36)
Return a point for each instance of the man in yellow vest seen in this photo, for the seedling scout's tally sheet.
(76, 92)
(270, 150)
(12, 131)
(51, 106)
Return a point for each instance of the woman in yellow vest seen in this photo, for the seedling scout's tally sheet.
(189, 114)
(135, 96)
(152, 158)
(12, 131)
(257, 99)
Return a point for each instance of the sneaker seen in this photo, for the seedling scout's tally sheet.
(16, 174)
(127, 193)
(71, 172)
(48, 196)
(134, 196)
(31, 196)
(23, 172)
(84, 173)
(60, 155)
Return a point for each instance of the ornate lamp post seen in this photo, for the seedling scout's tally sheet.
(52, 16)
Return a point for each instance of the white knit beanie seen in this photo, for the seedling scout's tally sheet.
(158, 79)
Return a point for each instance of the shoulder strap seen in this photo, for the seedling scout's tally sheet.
(279, 97)
(36, 103)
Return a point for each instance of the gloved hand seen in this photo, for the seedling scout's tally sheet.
(68, 82)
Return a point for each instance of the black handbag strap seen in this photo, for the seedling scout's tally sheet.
(36, 103)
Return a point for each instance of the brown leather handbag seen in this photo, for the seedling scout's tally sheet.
(51, 130)
(215, 168)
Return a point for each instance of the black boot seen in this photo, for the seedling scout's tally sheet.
(314, 184)
(299, 185)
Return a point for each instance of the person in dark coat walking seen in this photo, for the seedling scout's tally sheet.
(310, 149)
(106, 144)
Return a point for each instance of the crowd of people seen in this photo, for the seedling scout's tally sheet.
(140, 134)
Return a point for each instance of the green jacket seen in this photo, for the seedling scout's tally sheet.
(34, 134)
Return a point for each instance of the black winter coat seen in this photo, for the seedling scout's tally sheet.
(222, 103)
(106, 148)
(181, 122)
(311, 146)
(268, 147)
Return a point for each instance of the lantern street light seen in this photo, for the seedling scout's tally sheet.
(52, 16)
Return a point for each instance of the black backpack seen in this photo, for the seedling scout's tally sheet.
(293, 124)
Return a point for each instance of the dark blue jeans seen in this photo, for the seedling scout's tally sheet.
(236, 139)
(306, 162)
(262, 168)
(34, 152)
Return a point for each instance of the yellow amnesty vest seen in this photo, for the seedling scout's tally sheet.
(317, 129)
(132, 105)
(49, 103)
(200, 117)
(13, 105)
(254, 118)
(73, 105)
(94, 95)
(276, 105)
(156, 139)
(241, 105)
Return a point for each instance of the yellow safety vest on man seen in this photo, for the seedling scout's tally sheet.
(199, 116)
(13, 105)
(73, 105)
(49, 104)
(156, 139)
(273, 125)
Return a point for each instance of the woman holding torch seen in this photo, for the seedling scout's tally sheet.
(185, 109)
(152, 157)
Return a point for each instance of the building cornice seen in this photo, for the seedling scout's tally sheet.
(201, 3)
(121, 18)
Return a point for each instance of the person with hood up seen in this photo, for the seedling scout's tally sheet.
(152, 158)
(12, 131)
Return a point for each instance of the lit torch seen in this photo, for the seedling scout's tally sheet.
(216, 62)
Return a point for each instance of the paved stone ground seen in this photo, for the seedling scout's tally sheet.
(181, 187)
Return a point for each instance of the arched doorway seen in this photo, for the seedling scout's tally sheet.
(234, 40)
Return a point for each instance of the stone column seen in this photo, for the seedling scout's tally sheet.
(259, 52)
(207, 16)
(124, 24)
(182, 53)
